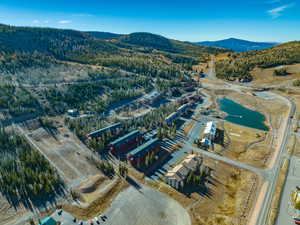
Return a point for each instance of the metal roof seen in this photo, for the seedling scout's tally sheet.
(104, 129)
(124, 137)
(153, 94)
(210, 128)
(143, 146)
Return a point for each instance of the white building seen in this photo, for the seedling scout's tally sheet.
(210, 130)
(73, 112)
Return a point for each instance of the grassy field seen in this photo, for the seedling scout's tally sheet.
(222, 56)
(232, 198)
(264, 77)
(247, 145)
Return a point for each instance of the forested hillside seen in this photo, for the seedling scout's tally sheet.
(17, 101)
(89, 71)
(239, 65)
(145, 53)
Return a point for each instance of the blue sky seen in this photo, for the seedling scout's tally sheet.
(190, 20)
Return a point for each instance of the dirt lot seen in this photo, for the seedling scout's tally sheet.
(66, 153)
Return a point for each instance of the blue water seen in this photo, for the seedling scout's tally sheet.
(241, 115)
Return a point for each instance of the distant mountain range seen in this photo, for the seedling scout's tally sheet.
(234, 44)
(238, 45)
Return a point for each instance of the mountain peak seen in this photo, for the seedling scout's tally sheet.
(238, 45)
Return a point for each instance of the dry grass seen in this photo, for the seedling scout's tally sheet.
(184, 200)
(232, 199)
(275, 111)
(222, 56)
(296, 151)
(201, 67)
(278, 191)
(247, 145)
(97, 206)
(263, 77)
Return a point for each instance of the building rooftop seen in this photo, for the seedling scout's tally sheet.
(105, 128)
(180, 171)
(171, 116)
(183, 107)
(210, 128)
(143, 146)
(135, 132)
(152, 95)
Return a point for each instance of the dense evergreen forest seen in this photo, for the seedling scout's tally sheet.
(25, 175)
(239, 65)
(95, 96)
(17, 101)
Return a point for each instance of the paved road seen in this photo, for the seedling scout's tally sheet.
(266, 174)
(262, 218)
(211, 72)
(286, 211)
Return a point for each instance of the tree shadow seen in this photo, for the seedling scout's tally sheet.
(35, 202)
(133, 183)
(220, 137)
(202, 189)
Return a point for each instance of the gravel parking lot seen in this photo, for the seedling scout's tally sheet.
(146, 207)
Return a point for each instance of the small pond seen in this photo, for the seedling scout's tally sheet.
(241, 115)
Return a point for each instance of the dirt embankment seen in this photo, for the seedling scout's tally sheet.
(99, 205)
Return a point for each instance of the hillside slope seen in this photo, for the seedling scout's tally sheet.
(238, 45)
(239, 65)
(153, 41)
(142, 53)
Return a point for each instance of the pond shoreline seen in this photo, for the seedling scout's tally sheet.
(241, 115)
